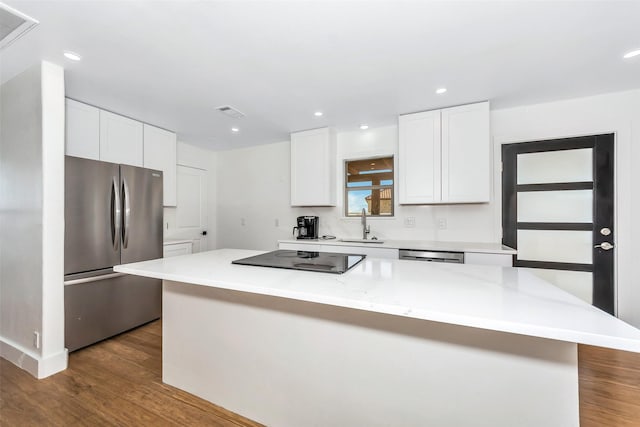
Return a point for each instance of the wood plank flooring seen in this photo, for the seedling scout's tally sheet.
(609, 387)
(118, 383)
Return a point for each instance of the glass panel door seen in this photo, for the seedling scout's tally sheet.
(558, 213)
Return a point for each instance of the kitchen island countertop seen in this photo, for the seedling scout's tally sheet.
(495, 298)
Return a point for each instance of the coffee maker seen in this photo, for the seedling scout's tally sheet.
(307, 227)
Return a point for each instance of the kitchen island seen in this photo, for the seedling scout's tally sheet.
(390, 342)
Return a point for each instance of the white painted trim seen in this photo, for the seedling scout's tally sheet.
(30, 362)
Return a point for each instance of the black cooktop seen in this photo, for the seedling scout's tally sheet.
(325, 262)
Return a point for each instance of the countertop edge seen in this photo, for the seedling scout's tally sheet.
(538, 331)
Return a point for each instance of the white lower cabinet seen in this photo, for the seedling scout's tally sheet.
(505, 260)
(373, 252)
(501, 259)
(301, 247)
(176, 249)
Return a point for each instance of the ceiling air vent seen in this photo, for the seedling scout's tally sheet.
(13, 25)
(230, 111)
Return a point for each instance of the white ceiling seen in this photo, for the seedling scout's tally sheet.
(170, 63)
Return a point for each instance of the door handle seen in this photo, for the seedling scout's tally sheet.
(127, 213)
(116, 214)
(604, 246)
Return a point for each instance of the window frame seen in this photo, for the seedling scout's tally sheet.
(391, 187)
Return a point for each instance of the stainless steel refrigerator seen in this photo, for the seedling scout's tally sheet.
(113, 215)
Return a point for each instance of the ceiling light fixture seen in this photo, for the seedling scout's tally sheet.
(441, 90)
(235, 130)
(631, 54)
(364, 127)
(373, 164)
(72, 55)
(318, 114)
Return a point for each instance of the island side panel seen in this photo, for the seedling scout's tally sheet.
(291, 363)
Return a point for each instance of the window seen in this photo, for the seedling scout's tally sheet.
(369, 186)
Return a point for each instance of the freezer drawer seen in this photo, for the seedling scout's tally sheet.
(101, 307)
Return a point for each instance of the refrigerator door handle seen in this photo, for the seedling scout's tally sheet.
(93, 279)
(116, 214)
(127, 213)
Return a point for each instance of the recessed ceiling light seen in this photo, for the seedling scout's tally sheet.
(631, 54)
(318, 114)
(364, 127)
(235, 130)
(72, 55)
(441, 90)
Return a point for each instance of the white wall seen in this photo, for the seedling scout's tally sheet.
(253, 186)
(32, 220)
(206, 160)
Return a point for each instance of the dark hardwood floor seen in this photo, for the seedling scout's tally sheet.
(114, 383)
(118, 382)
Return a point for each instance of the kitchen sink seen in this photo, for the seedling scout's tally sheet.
(360, 241)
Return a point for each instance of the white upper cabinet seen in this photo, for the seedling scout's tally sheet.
(120, 139)
(419, 157)
(313, 168)
(466, 154)
(160, 154)
(445, 156)
(82, 137)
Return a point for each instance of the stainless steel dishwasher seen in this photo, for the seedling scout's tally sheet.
(432, 256)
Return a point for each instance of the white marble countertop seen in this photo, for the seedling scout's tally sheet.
(476, 247)
(488, 297)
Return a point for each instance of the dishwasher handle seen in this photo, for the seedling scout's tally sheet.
(433, 256)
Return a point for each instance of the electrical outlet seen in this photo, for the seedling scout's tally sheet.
(442, 223)
(36, 339)
(242, 222)
(277, 222)
(409, 221)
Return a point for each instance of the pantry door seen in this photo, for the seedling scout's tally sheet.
(558, 212)
(191, 209)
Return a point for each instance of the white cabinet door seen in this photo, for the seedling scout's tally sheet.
(160, 154)
(466, 154)
(504, 260)
(313, 168)
(120, 139)
(82, 137)
(419, 157)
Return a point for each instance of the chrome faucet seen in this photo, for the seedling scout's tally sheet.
(366, 229)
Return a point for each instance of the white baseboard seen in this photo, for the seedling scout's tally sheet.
(39, 367)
